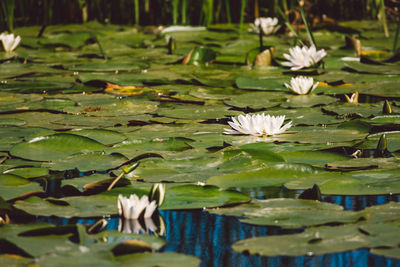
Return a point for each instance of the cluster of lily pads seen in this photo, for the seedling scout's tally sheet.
(94, 117)
(298, 58)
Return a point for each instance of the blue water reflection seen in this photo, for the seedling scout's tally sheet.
(360, 202)
(209, 237)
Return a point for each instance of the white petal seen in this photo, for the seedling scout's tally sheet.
(16, 43)
(285, 127)
(150, 209)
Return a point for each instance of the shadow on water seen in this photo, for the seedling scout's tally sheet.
(210, 237)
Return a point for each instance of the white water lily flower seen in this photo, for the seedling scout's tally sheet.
(302, 85)
(268, 25)
(300, 58)
(133, 207)
(10, 42)
(258, 125)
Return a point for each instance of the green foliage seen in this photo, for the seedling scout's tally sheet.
(145, 12)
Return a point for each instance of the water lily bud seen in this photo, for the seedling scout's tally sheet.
(313, 193)
(353, 98)
(354, 43)
(387, 109)
(171, 45)
(264, 58)
(157, 193)
(98, 226)
(129, 168)
(381, 148)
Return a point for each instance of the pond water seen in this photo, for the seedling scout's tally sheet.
(210, 237)
(82, 103)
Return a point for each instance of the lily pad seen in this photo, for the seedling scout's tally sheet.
(290, 213)
(29, 172)
(106, 137)
(364, 163)
(87, 162)
(393, 141)
(198, 112)
(313, 241)
(74, 40)
(366, 182)
(270, 176)
(304, 101)
(252, 100)
(12, 186)
(267, 84)
(53, 147)
(198, 197)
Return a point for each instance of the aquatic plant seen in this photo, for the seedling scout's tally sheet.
(303, 57)
(353, 98)
(9, 41)
(133, 207)
(267, 25)
(258, 125)
(302, 85)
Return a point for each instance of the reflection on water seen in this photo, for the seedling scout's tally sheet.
(210, 237)
(360, 202)
(142, 226)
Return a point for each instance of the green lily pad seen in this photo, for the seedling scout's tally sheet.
(198, 197)
(267, 84)
(106, 137)
(366, 182)
(313, 241)
(70, 206)
(328, 136)
(290, 213)
(392, 138)
(87, 162)
(56, 241)
(12, 186)
(384, 120)
(354, 110)
(53, 147)
(117, 108)
(304, 101)
(252, 100)
(73, 40)
(364, 163)
(387, 252)
(389, 69)
(319, 158)
(29, 172)
(270, 176)
(132, 148)
(11, 122)
(198, 112)
(157, 175)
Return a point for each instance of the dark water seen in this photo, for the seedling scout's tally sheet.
(209, 237)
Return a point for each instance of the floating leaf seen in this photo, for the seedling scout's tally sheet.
(57, 146)
(88, 162)
(198, 197)
(106, 137)
(199, 56)
(290, 213)
(270, 176)
(12, 186)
